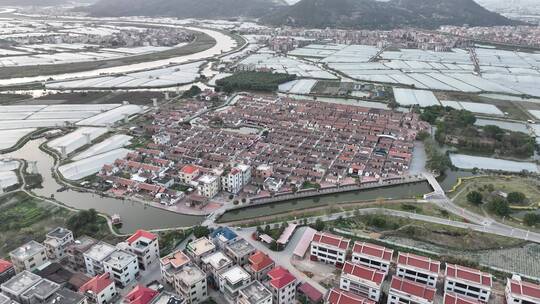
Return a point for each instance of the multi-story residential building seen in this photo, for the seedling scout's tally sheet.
(208, 185)
(17, 285)
(254, 293)
(66, 296)
(337, 296)
(214, 264)
(231, 281)
(100, 289)
(75, 252)
(145, 246)
(246, 172)
(418, 268)
(521, 292)
(223, 236)
(469, 282)
(190, 282)
(188, 173)
(454, 298)
(123, 267)
(259, 265)
(5, 300)
(29, 256)
(233, 181)
(40, 292)
(200, 248)
(362, 280)
(172, 264)
(168, 298)
(7, 271)
(406, 291)
(240, 251)
(282, 284)
(329, 248)
(56, 242)
(140, 295)
(94, 257)
(372, 256)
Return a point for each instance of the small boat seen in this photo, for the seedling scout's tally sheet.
(116, 220)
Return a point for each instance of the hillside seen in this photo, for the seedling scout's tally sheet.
(183, 8)
(372, 14)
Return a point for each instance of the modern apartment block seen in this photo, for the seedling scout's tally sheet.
(16, 286)
(259, 265)
(172, 264)
(190, 282)
(521, 292)
(373, 256)
(56, 242)
(282, 284)
(94, 257)
(123, 267)
(418, 268)
(75, 252)
(200, 248)
(329, 248)
(215, 264)
(254, 293)
(240, 251)
(100, 289)
(362, 280)
(231, 281)
(29, 256)
(469, 282)
(145, 246)
(406, 291)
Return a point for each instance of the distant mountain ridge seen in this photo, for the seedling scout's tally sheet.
(367, 14)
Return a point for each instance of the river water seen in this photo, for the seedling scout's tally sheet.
(134, 215)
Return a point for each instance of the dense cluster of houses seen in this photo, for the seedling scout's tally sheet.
(412, 278)
(298, 142)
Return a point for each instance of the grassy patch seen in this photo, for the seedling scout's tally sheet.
(253, 81)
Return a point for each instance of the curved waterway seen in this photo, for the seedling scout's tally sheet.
(134, 215)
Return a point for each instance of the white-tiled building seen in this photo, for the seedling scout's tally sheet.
(190, 282)
(233, 181)
(231, 281)
(240, 251)
(200, 248)
(122, 266)
(329, 248)
(216, 263)
(254, 293)
(29, 256)
(362, 280)
(282, 284)
(172, 264)
(145, 246)
(100, 289)
(56, 243)
(94, 257)
(372, 256)
(418, 268)
(208, 185)
(405, 291)
(521, 292)
(469, 282)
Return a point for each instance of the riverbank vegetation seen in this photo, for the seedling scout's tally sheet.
(253, 81)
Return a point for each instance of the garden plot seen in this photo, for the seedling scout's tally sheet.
(76, 139)
(109, 144)
(8, 138)
(302, 86)
(91, 165)
(408, 97)
(463, 161)
(287, 65)
(112, 116)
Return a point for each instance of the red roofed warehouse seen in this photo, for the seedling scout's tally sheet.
(329, 248)
(100, 289)
(520, 292)
(336, 296)
(405, 291)
(373, 256)
(260, 265)
(145, 246)
(283, 286)
(418, 268)
(469, 282)
(454, 298)
(362, 280)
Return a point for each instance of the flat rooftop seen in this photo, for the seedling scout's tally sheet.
(42, 290)
(241, 247)
(175, 260)
(65, 296)
(167, 298)
(217, 260)
(58, 233)
(190, 275)
(120, 259)
(201, 246)
(100, 251)
(83, 243)
(21, 282)
(255, 292)
(5, 300)
(235, 275)
(27, 250)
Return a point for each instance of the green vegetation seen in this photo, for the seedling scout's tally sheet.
(6, 98)
(192, 92)
(310, 185)
(516, 198)
(498, 206)
(168, 240)
(474, 197)
(201, 231)
(531, 219)
(436, 160)
(253, 81)
(87, 222)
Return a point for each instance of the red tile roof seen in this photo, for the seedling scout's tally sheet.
(311, 292)
(260, 261)
(524, 289)
(412, 288)
(454, 298)
(5, 265)
(473, 276)
(332, 240)
(363, 272)
(189, 169)
(280, 277)
(141, 234)
(419, 262)
(140, 295)
(374, 251)
(97, 284)
(337, 296)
